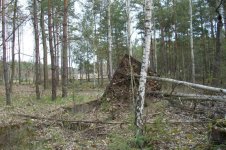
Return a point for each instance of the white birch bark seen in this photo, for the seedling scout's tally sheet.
(185, 96)
(191, 42)
(144, 68)
(109, 40)
(199, 86)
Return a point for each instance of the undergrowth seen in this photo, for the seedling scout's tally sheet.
(153, 134)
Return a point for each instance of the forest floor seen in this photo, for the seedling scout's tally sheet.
(45, 124)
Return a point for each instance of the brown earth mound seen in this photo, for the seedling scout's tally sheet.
(118, 94)
(119, 90)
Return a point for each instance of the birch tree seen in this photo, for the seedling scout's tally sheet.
(5, 65)
(191, 42)
(109, 40)
(139, 108)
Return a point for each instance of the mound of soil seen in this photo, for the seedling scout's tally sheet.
(118, 93)
(119, 90)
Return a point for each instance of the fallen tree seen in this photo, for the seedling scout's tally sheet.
(185, 96)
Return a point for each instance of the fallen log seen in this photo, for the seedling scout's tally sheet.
(184, 96)
(178, 82)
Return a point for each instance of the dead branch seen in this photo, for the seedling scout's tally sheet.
(70, 121)
(101, 122)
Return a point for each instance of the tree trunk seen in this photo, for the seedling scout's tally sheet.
(185, 96)
(55, 44)
(218, 53)
(64, 56)
(53, 60)
(224, 6)
(80, 71)
(101, 73)
(144, 68)
(109, 41)
(191, 43)
(155, 50)
(5, 65)
(13, 47)
(94, 43)
(164, 55)
(129, 45)
(37, 71)
(183, 63)
(57, 50)
(189, 84)
(19, 61)
(212, 28)
(98, 72)
(45, 54)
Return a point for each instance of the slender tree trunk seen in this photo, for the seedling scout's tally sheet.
(64, 56)
(212, 28)
(98, 72)
(5, 65)
(176, 64)
(164, 55)
(109, 40)
(144, 68)
(45, 54)
(224, 6)
(53, 60)
(57, 50)
(37, 71)
(129, 45)
(13, 46)
(203, 46)
(183, 63)
(87, 64)
(101, 73)
(218, 53)
(155, 50)
(80, 71)
(19, 59)
(191, 43)
(94, 43)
